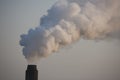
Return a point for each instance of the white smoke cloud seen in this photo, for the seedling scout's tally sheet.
(69, 20)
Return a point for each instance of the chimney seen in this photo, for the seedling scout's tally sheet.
(31, 73)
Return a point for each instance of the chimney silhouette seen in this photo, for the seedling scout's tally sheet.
(31, 73)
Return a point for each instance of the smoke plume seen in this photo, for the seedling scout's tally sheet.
(69, 20)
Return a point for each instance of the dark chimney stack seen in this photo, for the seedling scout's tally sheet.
(31, 73)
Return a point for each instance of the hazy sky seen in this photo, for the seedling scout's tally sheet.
(85, 60)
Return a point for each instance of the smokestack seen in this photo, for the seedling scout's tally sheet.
(31, 73)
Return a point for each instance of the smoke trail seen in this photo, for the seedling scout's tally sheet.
(69, 20)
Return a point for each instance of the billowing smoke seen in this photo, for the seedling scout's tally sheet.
(70, 20)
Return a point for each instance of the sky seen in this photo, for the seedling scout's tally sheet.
(84, 60)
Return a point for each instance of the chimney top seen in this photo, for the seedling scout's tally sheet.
(32, 67)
